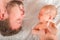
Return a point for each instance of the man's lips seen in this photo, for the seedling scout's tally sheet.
(19, 22)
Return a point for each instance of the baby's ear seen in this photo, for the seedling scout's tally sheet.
(39, 16)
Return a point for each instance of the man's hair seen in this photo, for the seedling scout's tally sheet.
(13, 3)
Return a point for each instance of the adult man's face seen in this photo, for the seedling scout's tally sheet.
(14, 20)
(16, 16)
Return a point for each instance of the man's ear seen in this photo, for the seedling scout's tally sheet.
(3, 16)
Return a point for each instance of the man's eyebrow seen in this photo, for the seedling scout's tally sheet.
(21, 9)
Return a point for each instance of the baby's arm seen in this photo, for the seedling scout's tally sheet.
(36, 29)
(40, 33)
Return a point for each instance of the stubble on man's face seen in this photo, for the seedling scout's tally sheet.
(5, 28)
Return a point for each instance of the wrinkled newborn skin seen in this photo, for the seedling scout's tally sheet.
(48, 12)
(15, 14)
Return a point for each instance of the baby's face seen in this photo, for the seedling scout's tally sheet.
(47, 14)
(44, 16)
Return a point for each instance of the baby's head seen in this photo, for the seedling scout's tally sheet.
(48, 12)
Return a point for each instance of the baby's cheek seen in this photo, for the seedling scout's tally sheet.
(45, 17)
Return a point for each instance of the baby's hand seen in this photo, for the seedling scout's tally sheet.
(52, 28)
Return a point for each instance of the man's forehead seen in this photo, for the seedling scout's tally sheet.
(16, 6)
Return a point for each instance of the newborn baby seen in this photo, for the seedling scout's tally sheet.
(46, 25)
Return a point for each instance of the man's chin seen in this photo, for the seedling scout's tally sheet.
(6, 30)
(10, 32)
(15, 27)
